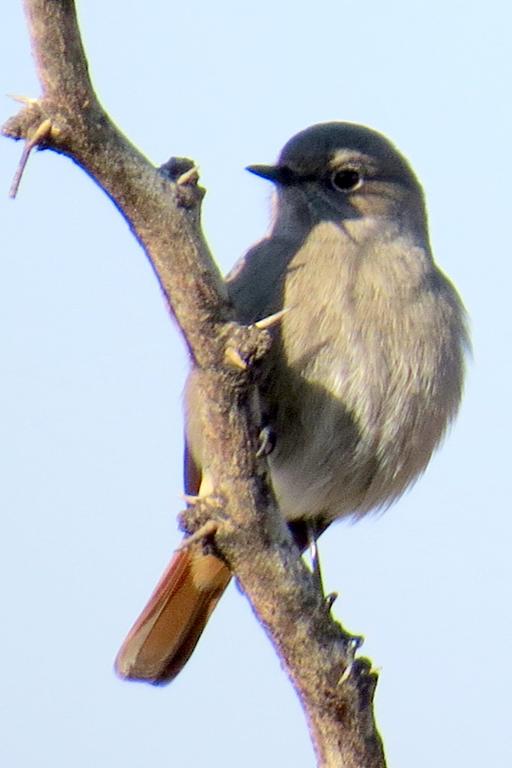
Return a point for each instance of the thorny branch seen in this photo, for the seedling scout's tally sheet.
(162, 208)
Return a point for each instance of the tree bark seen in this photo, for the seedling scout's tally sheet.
(162, 208)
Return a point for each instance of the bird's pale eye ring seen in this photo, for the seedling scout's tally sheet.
(346, 179)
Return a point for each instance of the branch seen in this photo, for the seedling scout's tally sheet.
(162, 208)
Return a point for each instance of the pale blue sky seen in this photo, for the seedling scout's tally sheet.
(92, 370)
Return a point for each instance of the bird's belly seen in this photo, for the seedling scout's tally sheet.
(341, 456)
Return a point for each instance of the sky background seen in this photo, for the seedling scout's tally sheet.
(92, 369)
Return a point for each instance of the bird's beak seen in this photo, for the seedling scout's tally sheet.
(271, 172)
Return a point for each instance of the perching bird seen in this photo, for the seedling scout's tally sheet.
(365, 372)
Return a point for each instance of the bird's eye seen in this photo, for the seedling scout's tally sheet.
(346, 180)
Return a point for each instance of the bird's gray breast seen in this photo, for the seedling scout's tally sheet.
(361, 379)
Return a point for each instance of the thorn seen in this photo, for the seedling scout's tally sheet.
(206, 530)
(271, 320)
(330, 599)
(191, 500)
(266, 442)
(353, 645)
(29, 101)
(345, 674)
(55, 131)
(41, 132)
(235, 359)
(189, 177)
(207, 498)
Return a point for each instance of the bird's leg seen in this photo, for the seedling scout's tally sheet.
(314, 556)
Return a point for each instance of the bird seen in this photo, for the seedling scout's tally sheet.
(364, 375)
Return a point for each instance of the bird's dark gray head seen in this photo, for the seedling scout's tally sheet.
(327, 146)
(345, 170)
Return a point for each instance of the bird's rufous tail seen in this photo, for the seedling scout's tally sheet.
(165, 634)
